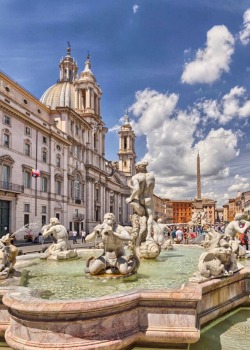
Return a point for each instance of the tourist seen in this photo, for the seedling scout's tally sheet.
(185, 236)
(173, 234)
(244, 240)
(40, 238)
(75, 237)
(179, 235)
(84, 234)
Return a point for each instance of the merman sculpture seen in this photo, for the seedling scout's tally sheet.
(113, 260)
(8, 254)
(219, 259)
(58, 250)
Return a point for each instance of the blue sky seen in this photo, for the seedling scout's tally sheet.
(181, 68)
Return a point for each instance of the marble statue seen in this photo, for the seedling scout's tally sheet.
(199, 218)
(141, 199)
(8, 254)
(113, 260)
(219, 258)
(58, 250)
(234, 226)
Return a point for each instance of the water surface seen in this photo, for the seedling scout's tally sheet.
(67, 280)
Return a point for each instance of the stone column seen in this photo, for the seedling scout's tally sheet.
(88, 98)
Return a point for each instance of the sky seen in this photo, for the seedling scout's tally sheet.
(180, 68)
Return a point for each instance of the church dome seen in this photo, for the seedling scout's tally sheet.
(61, 94)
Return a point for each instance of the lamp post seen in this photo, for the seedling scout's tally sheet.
(36, 174)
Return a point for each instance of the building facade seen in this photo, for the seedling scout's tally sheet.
(182, 211)
(63, 137)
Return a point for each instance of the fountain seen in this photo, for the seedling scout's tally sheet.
(113, 260)
(132, 310)
(60, 249)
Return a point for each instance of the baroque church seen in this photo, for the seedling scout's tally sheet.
(52, 154)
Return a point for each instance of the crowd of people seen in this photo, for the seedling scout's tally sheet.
(185, 234)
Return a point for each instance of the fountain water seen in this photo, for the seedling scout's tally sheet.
(151, 313)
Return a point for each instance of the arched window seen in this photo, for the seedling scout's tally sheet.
(77, 187)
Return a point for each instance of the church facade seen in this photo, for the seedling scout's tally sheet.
(62, 135)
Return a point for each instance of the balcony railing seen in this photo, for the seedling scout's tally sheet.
(78, 217)
(10, 187)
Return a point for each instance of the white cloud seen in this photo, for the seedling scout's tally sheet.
(148, 105)
(172, 146)
(212, 61)
(233, 105)
(244, 35)
(135, 8)
(240, 184)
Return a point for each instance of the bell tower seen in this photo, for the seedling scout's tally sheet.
(88, 105)
(126, 152)
(88, 94)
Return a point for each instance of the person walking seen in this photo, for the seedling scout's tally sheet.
(179, 235)
(74, 237)
(84, 236)
(244, 240)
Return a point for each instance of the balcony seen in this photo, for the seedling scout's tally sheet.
(78, 217)
(10, 187)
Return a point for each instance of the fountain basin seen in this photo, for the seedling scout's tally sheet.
(155, 317)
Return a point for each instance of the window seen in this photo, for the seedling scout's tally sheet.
(76, 151)
(97, 194)
(44, 209)
(77, 187)
(26, 220)
(6, 120)
(27, 131)
(6, 173)
(44, 139)
(58, 161)
(26, 208)
(125, 142)
(44, 184)
(58, 187)
(6, 140)
(95, 141)
(76, 128)
(44, 156)
(44, 220)
(27, 179)
(27, 149)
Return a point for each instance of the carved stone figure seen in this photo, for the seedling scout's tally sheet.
(113, 259)
(199, 218)
(219, 258)
(234, 226)
(168, 244)
(8, 254)
(60, 249)
(141, 199)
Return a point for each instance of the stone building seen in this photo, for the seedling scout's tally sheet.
(182, 211)
(159, 208)
(62, 136)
